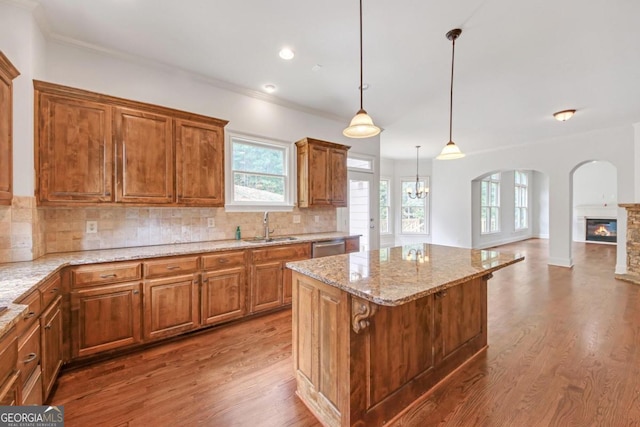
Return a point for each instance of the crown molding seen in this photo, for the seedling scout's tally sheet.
(220, 84)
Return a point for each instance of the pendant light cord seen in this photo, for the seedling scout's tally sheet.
(361, 104)
(417, 170)
(453, 55)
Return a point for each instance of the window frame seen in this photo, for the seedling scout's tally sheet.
(287, 204)
(426, 201)
(388, 206)
(519, 187)
(491, 179)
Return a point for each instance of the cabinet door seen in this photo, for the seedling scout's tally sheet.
(319, 176)
(105, 318)
(7, 73)
(199, 164)
(170, 306)
(223, 295)
(338, 177)
(287, 282)
(75, 152)
(266, 286)
(51, 326)
(145, 157)
(460, 321)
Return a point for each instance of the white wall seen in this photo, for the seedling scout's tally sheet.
(23, 43)
(595, 184)
(557, 158)
(540, 207)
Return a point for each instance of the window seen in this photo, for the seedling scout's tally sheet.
(360, 162)
(258, 172)
(490, 204)
(385, 197)
(521, 200)
(413, 219)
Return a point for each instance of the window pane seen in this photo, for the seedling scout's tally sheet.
(413, 220)
(260, 188)
(384, 193)
(494, 220)
(493, 201)
(359, 163)
(384, 219)
(524, 219)
(254, 158)
(523, 179)
(517, 221)
(483, 220)
(483, 193)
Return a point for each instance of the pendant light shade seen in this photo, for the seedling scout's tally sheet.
(361, 125)
(451, 151)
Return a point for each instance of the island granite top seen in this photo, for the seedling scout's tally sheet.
(394, 276)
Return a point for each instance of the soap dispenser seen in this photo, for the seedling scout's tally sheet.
(238, 235)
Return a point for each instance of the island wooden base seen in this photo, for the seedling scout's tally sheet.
(361, 364)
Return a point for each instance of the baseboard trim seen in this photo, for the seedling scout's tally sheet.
(561, 262)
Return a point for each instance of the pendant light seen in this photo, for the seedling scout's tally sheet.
(421, 191)
(451, 150)
(361, 125)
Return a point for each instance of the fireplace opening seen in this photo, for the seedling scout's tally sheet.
(602, 230)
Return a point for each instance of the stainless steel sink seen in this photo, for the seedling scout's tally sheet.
(270, 239)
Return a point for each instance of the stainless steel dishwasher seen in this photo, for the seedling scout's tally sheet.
(327, 248)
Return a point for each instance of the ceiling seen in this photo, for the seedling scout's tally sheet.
(516, 62)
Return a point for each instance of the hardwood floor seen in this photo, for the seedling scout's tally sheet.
(563, 351)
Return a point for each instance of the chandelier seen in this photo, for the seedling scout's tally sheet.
(421, 190)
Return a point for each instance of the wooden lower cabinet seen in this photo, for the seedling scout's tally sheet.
(270, 282)
(105, 318)
(223, 295)
(51, 345)
(170, 306)
(32, 392)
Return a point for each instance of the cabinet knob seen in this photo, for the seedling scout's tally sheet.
(108, 276)
(441, 294)
(173, 267)
(29, 315)
(54, 290)
(136, 292)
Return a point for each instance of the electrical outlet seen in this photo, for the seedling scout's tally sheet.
(92, 227)
(296, 219)
(211, 222)
(317, 218)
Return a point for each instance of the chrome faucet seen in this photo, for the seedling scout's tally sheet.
(265, 221)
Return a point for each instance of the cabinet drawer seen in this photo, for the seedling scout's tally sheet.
(50, 290)
(32, 313)
(352, 244)
(8, 355)
(29, 351)
(282, 253)
(103, 274)
(32, 390)
(223, 260)
(171, 266)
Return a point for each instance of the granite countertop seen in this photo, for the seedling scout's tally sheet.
(19, 278)
(394, 276)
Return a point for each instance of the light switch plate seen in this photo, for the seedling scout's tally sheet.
(211, 222)
(296, 219)
(317, 218)
(92, 227)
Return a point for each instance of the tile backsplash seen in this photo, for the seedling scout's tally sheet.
(28, 232)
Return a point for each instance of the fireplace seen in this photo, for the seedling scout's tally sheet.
(602, 230)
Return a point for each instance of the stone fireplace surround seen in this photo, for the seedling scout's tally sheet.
(633, 243)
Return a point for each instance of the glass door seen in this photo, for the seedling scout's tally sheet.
(361, 220)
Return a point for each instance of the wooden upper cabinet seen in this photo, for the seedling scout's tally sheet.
(322, 173)
(199, 163)
(75, 154)
(144, 147)
(7, 73)
(96, 149)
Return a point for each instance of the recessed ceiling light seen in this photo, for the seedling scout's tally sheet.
(564, 115)
(269, 88)
(316, 67)
(286, 53)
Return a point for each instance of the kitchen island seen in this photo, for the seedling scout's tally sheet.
(374, 331)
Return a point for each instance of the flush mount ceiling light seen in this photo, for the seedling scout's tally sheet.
(269, 88)
(286, 53)
(421, 191)
(361, 125)
(564, 115)
(451, 150)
